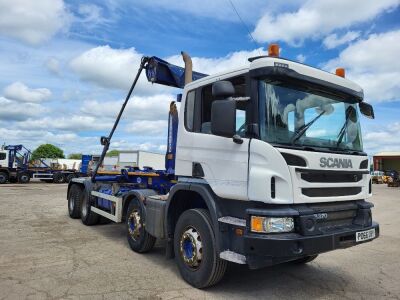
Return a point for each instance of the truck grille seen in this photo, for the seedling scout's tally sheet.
(331, 192)
(331, 177)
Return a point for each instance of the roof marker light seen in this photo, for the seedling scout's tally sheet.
(273, 50)
(340, 72)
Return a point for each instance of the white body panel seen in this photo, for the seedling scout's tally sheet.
(244, 173)
(4, 162)
(150, 159)
(266, 162)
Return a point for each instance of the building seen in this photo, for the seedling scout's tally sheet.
(136, 158)
(384, 161)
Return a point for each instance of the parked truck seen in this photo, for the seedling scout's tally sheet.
(15, 166)
(265, 166)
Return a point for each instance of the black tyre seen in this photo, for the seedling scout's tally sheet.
(138, 238)
(58, 177)
(69, 177)
(24, 177)
(87, 216)
(305, 259)
(75, 201)
(3, 177)
(195, 249)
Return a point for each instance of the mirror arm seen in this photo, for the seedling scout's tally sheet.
(237, 139)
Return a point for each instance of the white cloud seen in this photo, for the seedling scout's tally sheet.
(385, 139)
(116, 68)
(53, 65)
(20, 92)
(91, 16)
(332, 40)
(32, 22)
(139, 108)
(315, 19)
(301, 58)
(13, 111)
(72, 123)
(147, 127)
(373, 63)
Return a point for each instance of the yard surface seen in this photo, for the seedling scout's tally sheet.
(45, 254)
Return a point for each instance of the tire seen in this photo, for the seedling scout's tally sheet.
(75, 201)
(305, 259)
(193, 238)
(58, 177)
(24, 177)
(87, 216)
(3, 177)
(69, 177)
(138, 238)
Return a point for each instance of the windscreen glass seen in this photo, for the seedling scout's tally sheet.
(290, 116)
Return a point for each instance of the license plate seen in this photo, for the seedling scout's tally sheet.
(365, 235)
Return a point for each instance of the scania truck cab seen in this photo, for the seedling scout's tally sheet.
(268, 167)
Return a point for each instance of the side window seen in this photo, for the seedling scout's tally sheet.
(3, 156)
(207, 99)
(189, 110)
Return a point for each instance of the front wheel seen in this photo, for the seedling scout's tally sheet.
(138, 238)
(3, 177)
(195, 249)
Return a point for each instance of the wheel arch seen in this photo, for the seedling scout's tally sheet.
(200, 195)
(138, 194)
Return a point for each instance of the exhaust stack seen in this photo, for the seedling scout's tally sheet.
(188, 67)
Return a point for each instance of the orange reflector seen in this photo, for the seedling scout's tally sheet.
(340, 72)
(257, 224)
(273, 50)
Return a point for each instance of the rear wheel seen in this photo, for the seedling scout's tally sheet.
(305, 259)
(195, 249)
(69, 177)
(87, 216)
(138, 238)
(3, 177)
(58, 177)
(74, 201)
(23, 177)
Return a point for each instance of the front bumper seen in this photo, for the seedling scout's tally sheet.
(265, 250)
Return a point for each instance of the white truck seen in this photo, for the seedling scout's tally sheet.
(265, 166)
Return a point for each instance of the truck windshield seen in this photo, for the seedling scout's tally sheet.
(290, 116)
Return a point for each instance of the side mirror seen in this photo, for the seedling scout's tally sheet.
(223, 118)
(367, 110)
(222, 89)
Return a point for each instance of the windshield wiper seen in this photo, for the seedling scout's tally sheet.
(302, 130)
(349, 113)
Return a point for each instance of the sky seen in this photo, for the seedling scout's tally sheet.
(66, 65)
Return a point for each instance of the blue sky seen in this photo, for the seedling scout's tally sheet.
(67, 65)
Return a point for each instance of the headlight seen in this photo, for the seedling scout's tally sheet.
(271, 224)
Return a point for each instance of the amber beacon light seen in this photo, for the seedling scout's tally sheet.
(273, 50)
(340, 72)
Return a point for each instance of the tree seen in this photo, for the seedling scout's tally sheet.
(75, 156)
(113, 153)
(47, 151)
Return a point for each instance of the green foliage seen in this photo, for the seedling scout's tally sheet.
(47, 151)
(112, 153)
(75, 156)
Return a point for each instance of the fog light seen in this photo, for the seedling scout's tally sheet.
(271, 224)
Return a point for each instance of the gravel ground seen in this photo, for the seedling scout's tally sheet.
(45, 254)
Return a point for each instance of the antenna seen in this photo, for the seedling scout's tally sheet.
(245, 26)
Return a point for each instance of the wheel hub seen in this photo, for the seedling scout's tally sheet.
(191, 248)
(134, 225)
